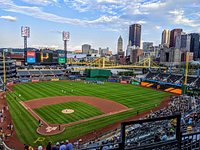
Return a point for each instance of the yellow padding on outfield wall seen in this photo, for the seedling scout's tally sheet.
(176, 91)
(149, 85)
(169, 89)
(144, 83)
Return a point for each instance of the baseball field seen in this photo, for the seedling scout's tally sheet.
(79, 107)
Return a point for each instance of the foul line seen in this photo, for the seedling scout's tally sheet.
(33, 113)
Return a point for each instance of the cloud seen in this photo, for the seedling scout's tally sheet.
(153, 5)
(40, 2)
(37, 12)
(178, 17)
(141, 22)
(45, 46)
(158, 27)
(56, 31)
(9, 18)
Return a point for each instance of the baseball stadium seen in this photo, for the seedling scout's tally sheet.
(44, 105)
(49, 101)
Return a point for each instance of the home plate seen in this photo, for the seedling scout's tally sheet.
(49, 129)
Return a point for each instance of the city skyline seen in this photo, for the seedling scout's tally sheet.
(98, 23)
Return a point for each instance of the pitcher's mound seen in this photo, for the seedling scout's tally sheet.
(67, 111)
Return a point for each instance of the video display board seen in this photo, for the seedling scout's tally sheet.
(61, 58)
(31, 57)
(44, 57)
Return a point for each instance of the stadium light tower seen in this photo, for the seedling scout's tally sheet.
(25, 32)
(65, 36)
(4, 71)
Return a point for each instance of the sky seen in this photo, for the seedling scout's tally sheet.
(95, 22)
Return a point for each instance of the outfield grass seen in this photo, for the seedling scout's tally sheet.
(135, 97)
(52, 114)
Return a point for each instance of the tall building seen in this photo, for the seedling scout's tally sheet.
(104, 51)
(147, 46)
(86, 48)
(170, 56)
(135, 35)
(120, 45)
(183, 41)
(120, 51)
(195, 45)
(165, 38)
(173, 35)
(136, 55)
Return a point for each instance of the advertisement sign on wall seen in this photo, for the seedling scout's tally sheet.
(30, 60)
(31, 57)
(61, 60)
(30, 54)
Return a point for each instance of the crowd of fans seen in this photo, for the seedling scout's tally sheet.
(192, 81)
(147, 133)
(57, 146)
(141, 134)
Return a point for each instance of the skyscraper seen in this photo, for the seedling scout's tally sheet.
(120, 45)
(86, 48)
(165, 38)
(183, 41)
(135, 35)
(195, 45)
(173, 35)
(147, 46)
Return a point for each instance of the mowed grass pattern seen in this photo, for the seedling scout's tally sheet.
(53, 115)
(135, 97)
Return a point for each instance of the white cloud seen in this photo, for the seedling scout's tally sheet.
(40, 2)
(9, 18)
(141, 22)
(158, 27)
(37, 12)
(178, 17)
(109, 1)
(153, 5)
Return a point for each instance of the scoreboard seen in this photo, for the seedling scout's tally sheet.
(47, 57)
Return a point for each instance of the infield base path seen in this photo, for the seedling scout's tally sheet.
(107, 106)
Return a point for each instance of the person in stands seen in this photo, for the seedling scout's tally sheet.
(62, 146)
(48, 146)
(40, 147)
(56, 147)
(69, 145)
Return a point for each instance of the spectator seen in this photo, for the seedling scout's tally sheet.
(40, 147)
(48, 146)
(30, 148)
(56, 147)
(26, 147)
(62, 146)
(69, 146)
(164, 137)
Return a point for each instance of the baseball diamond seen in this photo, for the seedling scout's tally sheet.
(93, 106)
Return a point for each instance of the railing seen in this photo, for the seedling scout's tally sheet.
(3, 146)
(190, 141)
(174, 144)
